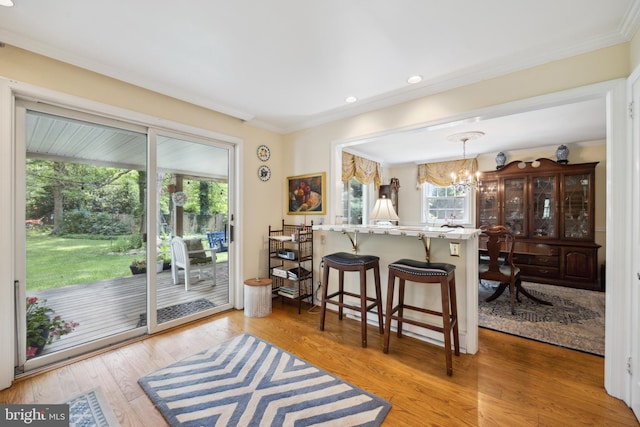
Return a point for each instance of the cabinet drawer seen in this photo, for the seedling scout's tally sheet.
(551, 261)
(533, 270)
(522, 259)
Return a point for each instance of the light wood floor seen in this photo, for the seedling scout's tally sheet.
(510, 382)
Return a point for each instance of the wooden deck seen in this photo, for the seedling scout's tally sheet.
(109, 307)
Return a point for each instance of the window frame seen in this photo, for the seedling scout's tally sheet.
(469, 199)
(367, 190)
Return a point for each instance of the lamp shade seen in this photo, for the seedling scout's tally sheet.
(383, 211)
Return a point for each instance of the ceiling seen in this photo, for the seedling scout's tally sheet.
(51, 137)
(582, 122)
(286, 65)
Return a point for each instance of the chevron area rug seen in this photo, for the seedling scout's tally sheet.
(575, 320)
(249, 382)
(91, 409)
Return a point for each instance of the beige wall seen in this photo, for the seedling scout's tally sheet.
(601, 65)
(259, 200)
(634, 51)
(598, 66)
(409, 201)
(309, 151)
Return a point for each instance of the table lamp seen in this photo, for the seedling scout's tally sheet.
(383, 212)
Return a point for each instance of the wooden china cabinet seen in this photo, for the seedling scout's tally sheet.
(549, 208)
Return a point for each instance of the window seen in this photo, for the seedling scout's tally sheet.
(443, 205)
(353, 201)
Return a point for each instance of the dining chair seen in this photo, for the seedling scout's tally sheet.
(499, 266)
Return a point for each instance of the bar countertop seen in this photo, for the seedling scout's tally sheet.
(412, 231)
(457, 246)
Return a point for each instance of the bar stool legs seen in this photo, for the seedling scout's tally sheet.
(424, 273)
(342, 262)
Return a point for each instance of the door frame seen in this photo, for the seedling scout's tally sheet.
(618, 221)
(633, 363)
(9, 91)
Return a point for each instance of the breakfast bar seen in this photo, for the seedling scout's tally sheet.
(457, 246)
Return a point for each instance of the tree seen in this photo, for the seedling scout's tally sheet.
(56, 187)
(58, 201)
(205, 206)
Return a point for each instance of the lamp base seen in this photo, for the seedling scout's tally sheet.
(385, 224)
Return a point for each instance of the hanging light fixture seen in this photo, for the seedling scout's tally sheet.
(466, 179)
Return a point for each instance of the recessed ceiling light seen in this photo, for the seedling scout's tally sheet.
(7, 3)
(350, 99)
(414, 79)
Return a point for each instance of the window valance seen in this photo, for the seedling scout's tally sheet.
(439, 173)
(365, 171)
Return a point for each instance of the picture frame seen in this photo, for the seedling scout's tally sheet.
(306, 194)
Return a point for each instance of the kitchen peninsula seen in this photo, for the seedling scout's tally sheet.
(457, 246)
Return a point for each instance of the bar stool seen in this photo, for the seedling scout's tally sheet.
(343, 261)
(424, 272)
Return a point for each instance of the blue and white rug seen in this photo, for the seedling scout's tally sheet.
(249, 382)
(91, 409)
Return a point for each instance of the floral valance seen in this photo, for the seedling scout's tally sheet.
(365, 171)
(439, 173)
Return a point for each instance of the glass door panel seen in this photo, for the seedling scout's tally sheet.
(544, 222)
(193, 214)
(514, 194)
(83, 213)
(488, 203)
(577, 193)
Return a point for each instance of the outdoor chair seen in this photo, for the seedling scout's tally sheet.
(218, 241)
(191, 257)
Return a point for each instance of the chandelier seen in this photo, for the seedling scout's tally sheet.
(466, 179)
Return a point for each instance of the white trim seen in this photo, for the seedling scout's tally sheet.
(71, 102)
(469, 207)
(618, 220)
(152, 229)
(633, 95)
(9, 91)
(19, 205)
(618, 254)
(7, 220)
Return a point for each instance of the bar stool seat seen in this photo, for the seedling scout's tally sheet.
(424, 273)
(343, 261)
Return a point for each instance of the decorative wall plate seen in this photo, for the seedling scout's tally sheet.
(180, 198)
(264, 153)
(264, 173)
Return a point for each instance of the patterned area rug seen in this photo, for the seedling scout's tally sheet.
(575, 320)
(248, 382)
(179, 310)
(91, 409)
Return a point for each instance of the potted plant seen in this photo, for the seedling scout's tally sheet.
(138, 266)
(42, 328)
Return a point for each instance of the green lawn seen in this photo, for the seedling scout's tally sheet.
(54, 262)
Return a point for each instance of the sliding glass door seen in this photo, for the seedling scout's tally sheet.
(100, 208)
(192, 227)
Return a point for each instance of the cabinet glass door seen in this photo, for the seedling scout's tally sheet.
(488, 203)
(544, 207)
(514, 213)
(577, 197)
